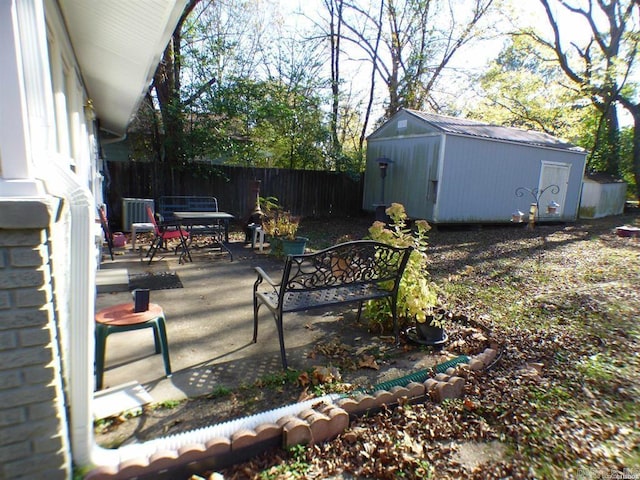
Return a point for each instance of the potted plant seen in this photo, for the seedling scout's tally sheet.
(281, 226)
(418, 297)
(431, 331)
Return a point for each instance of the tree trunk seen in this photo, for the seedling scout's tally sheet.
(335, 33)
(367, 115)
(607, 142)
(636, 154)
(166, 83)
(634, 109)
(395, 50)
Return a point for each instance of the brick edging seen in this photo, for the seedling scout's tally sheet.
(320, 423)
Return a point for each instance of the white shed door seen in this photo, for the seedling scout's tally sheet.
(553, 174)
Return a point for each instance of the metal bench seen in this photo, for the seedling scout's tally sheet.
(169, 204)
(345, 273)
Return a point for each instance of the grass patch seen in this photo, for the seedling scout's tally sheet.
(168, 404)
(219, 392)
(277, 380)
(294, 466)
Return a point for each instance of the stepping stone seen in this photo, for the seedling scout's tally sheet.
(112, 280)
(118, 399)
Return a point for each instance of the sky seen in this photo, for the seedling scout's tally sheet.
(572, 28)
(532, 12)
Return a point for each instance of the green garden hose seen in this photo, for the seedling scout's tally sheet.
(418, 377)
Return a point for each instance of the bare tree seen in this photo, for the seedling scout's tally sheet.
(376, 47)
(334, 34)
(420, 37)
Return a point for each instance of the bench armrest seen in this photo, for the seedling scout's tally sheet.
(262, 275)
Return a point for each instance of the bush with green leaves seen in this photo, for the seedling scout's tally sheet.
(276, 221)
(418, 297)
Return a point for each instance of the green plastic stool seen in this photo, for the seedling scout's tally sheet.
(122, 318)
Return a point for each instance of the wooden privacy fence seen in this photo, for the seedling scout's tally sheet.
(303, 192)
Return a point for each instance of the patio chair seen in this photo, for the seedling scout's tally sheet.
(105, 228)
(164, 233)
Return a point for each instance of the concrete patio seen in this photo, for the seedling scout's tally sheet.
(210, 325)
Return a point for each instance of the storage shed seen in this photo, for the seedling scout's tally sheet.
(454, 170)
(602, 196)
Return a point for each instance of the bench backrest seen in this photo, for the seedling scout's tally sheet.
(357, 262)
(169, 204)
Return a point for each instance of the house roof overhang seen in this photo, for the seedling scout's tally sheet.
(118, 45)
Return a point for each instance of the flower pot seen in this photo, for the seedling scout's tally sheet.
(295, 246)
(119, 240)
(430, 334)
(275, 243)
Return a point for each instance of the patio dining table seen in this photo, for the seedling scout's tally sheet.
(216, 225)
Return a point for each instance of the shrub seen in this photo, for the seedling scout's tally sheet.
(418, 297)
(277, 222)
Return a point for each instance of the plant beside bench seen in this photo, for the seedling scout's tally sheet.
(349, 272)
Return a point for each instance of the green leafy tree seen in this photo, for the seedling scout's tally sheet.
(261, 123)
(627, 146)
(601, 67)
(523, 88)
(233, 88)
(162, 111)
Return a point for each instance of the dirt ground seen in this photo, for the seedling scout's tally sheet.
(353, 357)
(575, 262)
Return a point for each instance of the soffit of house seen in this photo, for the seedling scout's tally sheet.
(118, 45)
(473, 128)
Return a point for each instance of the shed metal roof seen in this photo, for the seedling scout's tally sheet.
(474, 128)
(602, 178)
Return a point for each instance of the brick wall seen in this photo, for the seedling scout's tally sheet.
(34, 441)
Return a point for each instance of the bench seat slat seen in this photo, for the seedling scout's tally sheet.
(297, 301)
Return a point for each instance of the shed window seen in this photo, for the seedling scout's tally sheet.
(402, 125)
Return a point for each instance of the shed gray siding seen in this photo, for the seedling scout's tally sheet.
(403, 124)
(410, 179)
(450, 170)
(479, 179)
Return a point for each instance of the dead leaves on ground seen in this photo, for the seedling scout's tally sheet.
(554, 299)
(319, 375)
(368, 361)
(346, 357)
